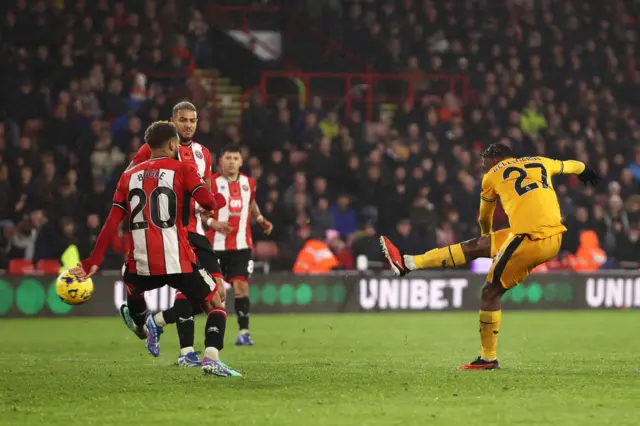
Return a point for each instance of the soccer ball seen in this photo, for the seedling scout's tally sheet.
(73, 290)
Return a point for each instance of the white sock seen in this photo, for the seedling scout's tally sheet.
(186, 350)
(212, 353)
(409, 262)
(244, 331)
(159, 319)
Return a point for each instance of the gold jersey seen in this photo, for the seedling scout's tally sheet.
(526, 192)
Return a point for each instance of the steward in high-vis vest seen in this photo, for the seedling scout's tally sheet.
(315, 257)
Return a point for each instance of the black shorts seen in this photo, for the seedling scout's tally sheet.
(204, 252)
(197, 286)
(236, 264)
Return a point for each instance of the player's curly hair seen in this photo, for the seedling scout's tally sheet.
(497, 150)
(159, 133)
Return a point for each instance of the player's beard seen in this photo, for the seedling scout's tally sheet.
(184, 140)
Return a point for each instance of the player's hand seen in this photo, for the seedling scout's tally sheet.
(205, 214)
(220, 201)
(85, 269)
(222, 227)
(589, 176)
(266, 225)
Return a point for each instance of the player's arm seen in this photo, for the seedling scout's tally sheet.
(488, 198)
(143, 154)
(208, 173)
(254, 209)
(572, 167)
(207, 216)
(89, 267)
(196, 186)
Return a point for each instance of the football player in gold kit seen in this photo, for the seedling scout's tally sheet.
(526, 192)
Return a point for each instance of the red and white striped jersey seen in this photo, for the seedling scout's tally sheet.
(153, 195)
(239, 195)
(198, 157)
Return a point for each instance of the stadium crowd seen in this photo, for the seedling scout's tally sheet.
(81, 80)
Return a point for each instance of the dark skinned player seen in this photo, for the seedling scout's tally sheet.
(526, 192)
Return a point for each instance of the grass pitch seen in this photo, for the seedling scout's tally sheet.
(560, 368)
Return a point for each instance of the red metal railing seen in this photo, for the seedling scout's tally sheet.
(219, 13)
(370, 92)
(368, 82)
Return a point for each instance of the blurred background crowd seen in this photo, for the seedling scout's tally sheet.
(81, 80)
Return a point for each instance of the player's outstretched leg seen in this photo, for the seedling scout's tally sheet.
(243, 308)
(457, 255)
(490, 316)
(445, 257)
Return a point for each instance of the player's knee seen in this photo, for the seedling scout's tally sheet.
(208, 306)
(241, 288)
(222, 291)
(216, 301)
(491, 296)
(477, 247)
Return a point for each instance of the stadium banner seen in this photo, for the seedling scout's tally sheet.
(28, 296)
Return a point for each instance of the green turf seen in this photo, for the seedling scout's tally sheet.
(561, 368)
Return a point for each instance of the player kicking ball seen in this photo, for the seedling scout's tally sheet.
(526, 192)
(152, 196)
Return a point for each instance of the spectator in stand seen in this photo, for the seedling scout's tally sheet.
(627, 248)
(321, 218)
(6, 193)
(23, 241)
(329, 126)
(310, 134)
(345, 220)
(405, 239)
(340, 250)
(366, 244)
(82, 80)
(200, 44)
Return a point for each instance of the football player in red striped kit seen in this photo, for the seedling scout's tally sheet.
(198, 157)
(153, 195)
(234, 248)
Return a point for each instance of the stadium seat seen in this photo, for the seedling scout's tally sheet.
(20, 267)
(48, 266)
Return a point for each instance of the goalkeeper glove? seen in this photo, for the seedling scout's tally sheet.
(589, 176)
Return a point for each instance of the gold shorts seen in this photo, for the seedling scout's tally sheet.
(515, 256)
